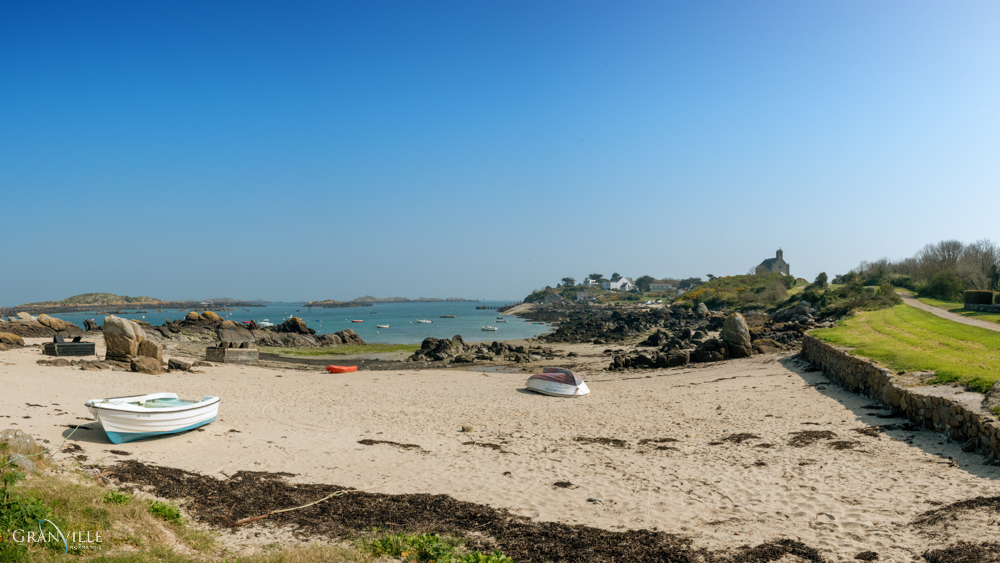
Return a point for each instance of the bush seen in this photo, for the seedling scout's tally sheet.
(978, 297)
(821, 281)
(165, 511)
(945, 285)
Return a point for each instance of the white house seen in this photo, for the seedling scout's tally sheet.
(590, 283)
(623, 284)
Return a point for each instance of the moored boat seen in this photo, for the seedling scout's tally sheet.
(125, 419)
(490, 328)
(381, 326)
(357, 321)
(423, 321)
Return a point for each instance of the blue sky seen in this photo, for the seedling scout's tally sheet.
(294, 151)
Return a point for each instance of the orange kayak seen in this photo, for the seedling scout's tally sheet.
(341, 369)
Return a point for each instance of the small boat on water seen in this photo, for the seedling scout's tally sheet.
(125, 419)
(381, 326)
(499, 321)
(357, 321)
(265, 323)
(490, 328)
(423, 321)
(448, 316)
(558, 382)
(341, 369)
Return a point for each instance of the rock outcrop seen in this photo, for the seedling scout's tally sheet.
(736, 334)
(89, 325)
(122, 338)
(150, 349)
(150, 366)
(11, 340)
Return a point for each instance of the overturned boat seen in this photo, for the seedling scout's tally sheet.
(558, 382)
(125, 419)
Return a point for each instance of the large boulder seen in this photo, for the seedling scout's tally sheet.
(11, 339)
(150, 349)
(25, 317)
(209, 315)
(232, 332)
(702, 310)
(350, 338)
(711, 350)
(736, 334)
(178, 364)
(294, 325)
(192, 316)
(90, 324)
(122, 338)
(150, 366)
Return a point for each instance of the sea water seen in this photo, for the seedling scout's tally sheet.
(401, 318)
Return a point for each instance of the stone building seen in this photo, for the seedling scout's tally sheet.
(776, 264)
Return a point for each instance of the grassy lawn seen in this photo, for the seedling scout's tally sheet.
(906, 338)
(344, 350)
(961, 310)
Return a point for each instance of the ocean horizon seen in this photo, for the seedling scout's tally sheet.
(401, 318)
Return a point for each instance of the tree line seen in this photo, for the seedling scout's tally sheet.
(941, 270)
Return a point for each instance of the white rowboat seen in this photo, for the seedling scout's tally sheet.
(144, 416)
(558, 382)
(490, 328)
(423, 321)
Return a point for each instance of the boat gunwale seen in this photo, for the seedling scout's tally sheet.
(125, 407)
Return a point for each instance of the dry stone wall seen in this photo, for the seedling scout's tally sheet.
(959, 415)
(995, 308)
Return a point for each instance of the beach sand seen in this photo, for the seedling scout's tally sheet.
(713, 451)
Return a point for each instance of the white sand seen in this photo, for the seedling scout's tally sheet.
(310, 422)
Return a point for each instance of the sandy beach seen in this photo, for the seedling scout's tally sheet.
(729, 454)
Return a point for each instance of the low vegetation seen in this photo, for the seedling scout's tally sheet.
(939, 271)
(94, 299)
(430, 547)
(372, 348)
(959, 308)
(137, 531)
(906, 338)
(750, 291)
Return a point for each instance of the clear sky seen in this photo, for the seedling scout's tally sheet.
(298, 151)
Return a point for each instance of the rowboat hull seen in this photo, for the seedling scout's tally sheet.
(557, 389)
(126, 423)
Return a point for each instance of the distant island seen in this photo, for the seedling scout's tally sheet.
(95, 301)
(368, 301)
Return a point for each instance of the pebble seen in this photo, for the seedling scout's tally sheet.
(468, 428)
(595, 500)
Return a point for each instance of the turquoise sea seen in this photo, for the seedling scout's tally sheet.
(401, 318)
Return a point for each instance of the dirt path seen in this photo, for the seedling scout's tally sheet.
(944, 314)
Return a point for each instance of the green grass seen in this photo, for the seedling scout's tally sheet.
(344, 350)
(959, 308)
(430, 547)
(906, 338)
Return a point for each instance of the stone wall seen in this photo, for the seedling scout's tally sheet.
(945, 409)
(995, 308)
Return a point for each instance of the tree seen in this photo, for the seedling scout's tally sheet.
(615, 277)
(643, 282)
(595, 277)
(821, 280)
(994, 278)
(710, 277)
(944, 285)
(688, 282)
(568, 282)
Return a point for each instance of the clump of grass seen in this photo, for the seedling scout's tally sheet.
(114, 497)
(164, 511)
(430, 547)
(908, 339)
(996, 411)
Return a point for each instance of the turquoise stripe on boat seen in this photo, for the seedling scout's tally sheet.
(122, 437)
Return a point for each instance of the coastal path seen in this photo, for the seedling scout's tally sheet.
(944, 314)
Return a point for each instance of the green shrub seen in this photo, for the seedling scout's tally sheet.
(429, 547)
(978, 297)
(164, 511)
(114, 497)
(944, 285)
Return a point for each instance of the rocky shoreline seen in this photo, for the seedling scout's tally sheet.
(103, 308)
